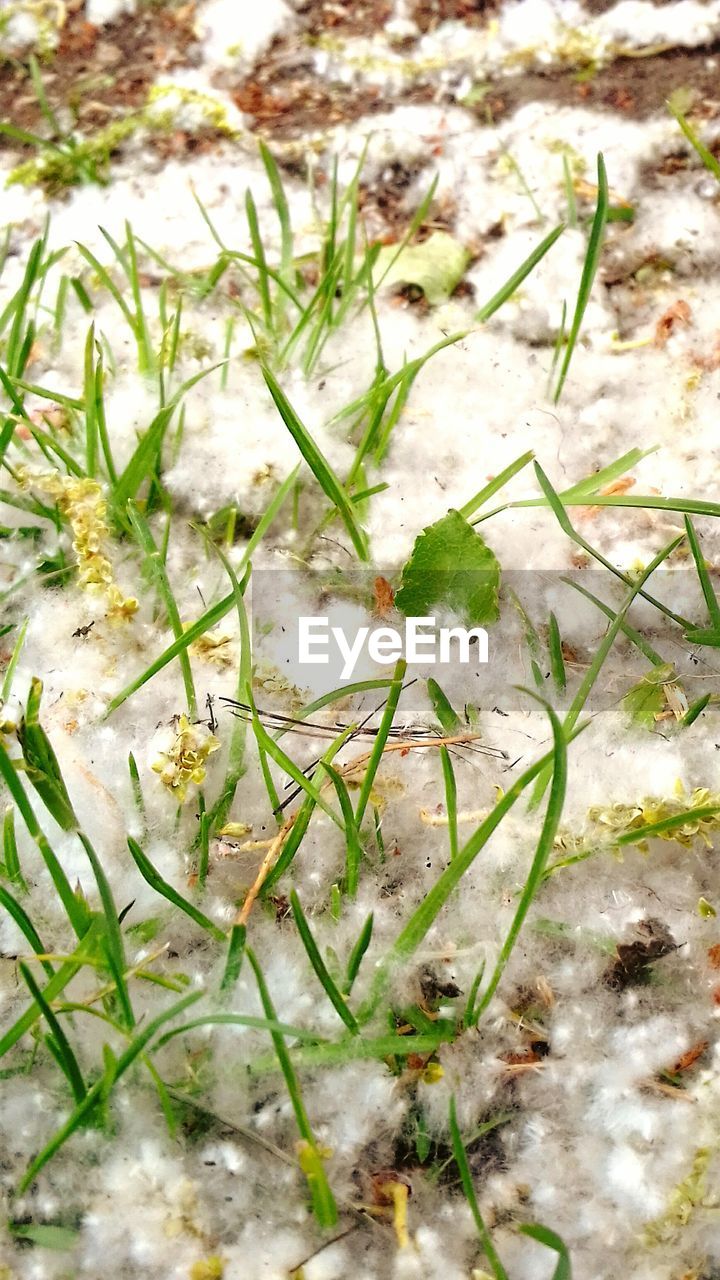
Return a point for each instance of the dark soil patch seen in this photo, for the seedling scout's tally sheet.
(343, 17)
(635, 87)
(291, 107)
(428, 14)
(98, 73)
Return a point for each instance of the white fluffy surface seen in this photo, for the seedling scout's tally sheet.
(587, 1141)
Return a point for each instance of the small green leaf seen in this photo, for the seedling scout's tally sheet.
(451, 565)
(646, 700)
(551, 1240)
(41, 762)
(443, 708)
(436, 266)
(46, 1236)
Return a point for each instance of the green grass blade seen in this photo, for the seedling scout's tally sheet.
(432, 904)
(236, 750)
(161, 886)
(354, 853)
(450, 801)
(663, 825)
(557, 662)
(259, 252)
(75, 910)
(380, 740)
(516, 279)
(55, 986)
(602, 652)
(26, 927)
(706, 586)
(706, 156)
(641, 644)
(102, 1087)
(156, 567)
(113, 936)
(322, 974)
(12, 664)
(555, 502)
(323, 1201)
(65, 1055)
(357, 954)
(592, 258)
(234, 959)
(319, 466)
(41, 763)
(498, 482)
(551, 1240)
(461, 1161)
(695, 709)
(550, 825)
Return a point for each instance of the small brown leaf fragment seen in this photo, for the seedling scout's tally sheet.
(382, 1182)
(677, 314)
(635, 958)
(618, 486)
(689, 1057)
(714, 956)
(384, 597)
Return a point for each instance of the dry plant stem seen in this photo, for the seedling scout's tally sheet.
(266, 867)
(278, 841)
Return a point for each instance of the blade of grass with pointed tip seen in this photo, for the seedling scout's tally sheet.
(154, 561)
(76, 911)
(380, 740)
(498, 482)
(322, 974)
(450, 800)
(707, 157)
(695, 709)
(216, 612)
(161, 886)
(113, 935)
(236, 751)
(59, 980)
(65, 1055)
(102, 1087)
(637, 639)
(556, 504)
(557, 661)
(41, 764)
(302, 820)
(590, 265)
(553, 812)
(551, 1240)
(234, 958)
(601, 654)
(14, 659)
(357, 954)
(706, 586)
(508, 289)
(354, 853)
(319, 465)
(26, 927)
(11, 857)
(422, 919)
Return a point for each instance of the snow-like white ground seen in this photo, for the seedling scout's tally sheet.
(592, 1139)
